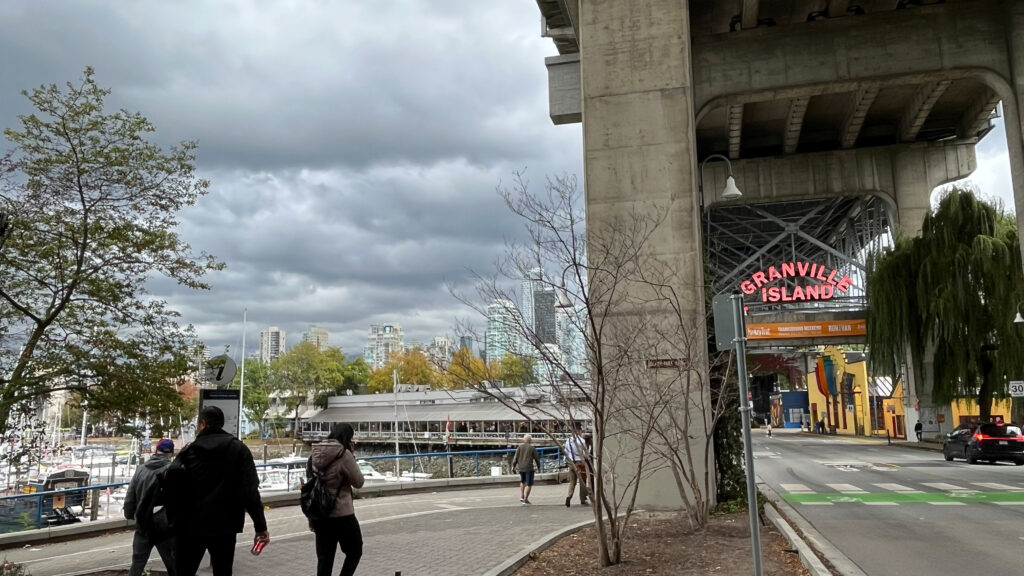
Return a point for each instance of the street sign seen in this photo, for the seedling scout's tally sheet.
(656, 363)
(227, 401)
(725, 326)
(220, 370)
(1016, 388)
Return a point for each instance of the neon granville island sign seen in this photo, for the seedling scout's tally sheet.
(818, 282)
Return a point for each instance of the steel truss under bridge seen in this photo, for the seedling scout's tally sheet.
(835, 232)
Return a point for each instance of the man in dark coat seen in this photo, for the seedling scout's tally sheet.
(138, 506)
(215, 484)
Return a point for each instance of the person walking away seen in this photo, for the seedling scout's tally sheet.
(335, 460)
(576, 455)
(523, 461)
(138, 506)
(769, 427)
(918, 429)
(213, 484)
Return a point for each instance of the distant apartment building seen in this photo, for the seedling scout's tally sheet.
(440, 351)
(317, 335)
(466, 342)
(383, 341)
(503, 324)
(272, 344)
(571, 342)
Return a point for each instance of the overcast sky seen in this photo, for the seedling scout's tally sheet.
(353, 148)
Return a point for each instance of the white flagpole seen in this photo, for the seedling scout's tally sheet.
(241, 386)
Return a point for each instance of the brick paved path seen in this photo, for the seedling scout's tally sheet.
(460, 533)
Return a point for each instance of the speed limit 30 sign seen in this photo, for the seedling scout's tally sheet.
(1017, 388)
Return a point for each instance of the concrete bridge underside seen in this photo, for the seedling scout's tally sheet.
(833, 104)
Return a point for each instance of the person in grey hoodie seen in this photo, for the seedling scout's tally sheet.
(138, 506)
(334, 458)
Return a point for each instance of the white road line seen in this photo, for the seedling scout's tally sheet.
(947, 487)
(898, 488)
(796, 488)
(846, 488)
(947, 504)
(998, 486)
(815, 503)
(1009, 503)
(882, 503)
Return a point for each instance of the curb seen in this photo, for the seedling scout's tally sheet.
(808, 558)
(842, 564)
(523, 556)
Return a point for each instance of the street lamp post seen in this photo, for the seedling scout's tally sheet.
(731, 192)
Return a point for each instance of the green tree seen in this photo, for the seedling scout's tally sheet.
(951, 292)
(256, 397)
(349, 375)
(516, 370)
(93, 208)
(301, 375)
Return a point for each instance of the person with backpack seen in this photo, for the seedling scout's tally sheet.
(210, 487)
(143, 493)
(333, 465)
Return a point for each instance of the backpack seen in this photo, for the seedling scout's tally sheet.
(315, 499)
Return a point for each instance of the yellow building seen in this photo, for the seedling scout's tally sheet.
(851, 410)
(854, 407)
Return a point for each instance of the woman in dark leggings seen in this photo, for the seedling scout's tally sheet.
(335, 460)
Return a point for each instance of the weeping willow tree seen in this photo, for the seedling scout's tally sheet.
(952, 291)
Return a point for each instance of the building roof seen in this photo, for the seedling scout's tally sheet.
(472, 411)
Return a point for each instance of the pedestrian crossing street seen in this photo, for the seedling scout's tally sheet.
(893, 494)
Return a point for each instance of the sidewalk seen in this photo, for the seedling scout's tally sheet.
(466, 532)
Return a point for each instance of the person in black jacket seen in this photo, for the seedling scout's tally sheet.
(215, 483)
(138, 506)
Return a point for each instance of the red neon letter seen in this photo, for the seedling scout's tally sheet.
(747, 287)
(759, 279)
(788, 269)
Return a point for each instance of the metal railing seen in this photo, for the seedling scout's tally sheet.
(437, 464)
(37, 509)
(441, 437)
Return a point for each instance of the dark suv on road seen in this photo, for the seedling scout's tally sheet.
(989, 441)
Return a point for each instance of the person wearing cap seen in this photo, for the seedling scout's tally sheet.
(138, 506)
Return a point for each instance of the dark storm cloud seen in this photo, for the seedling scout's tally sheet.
(353, 148)
(266, 85)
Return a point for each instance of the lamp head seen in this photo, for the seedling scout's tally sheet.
(731, 192)
(1019, 318)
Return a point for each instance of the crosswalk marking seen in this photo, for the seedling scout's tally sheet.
(947, 504)
(897, 488)
(816, 503)
(882, 503)
(846, 488)
(947, 487)
(1009, 503)
(998, 486)
(796, 488)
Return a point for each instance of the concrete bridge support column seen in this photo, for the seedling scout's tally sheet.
(1013, 105)
(640, 144)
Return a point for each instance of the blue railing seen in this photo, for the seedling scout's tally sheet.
(294, 474)
(37, 509)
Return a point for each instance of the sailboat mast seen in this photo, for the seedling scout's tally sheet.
(241, 386)
(394, 386)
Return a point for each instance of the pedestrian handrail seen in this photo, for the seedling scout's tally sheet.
(37, 509)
